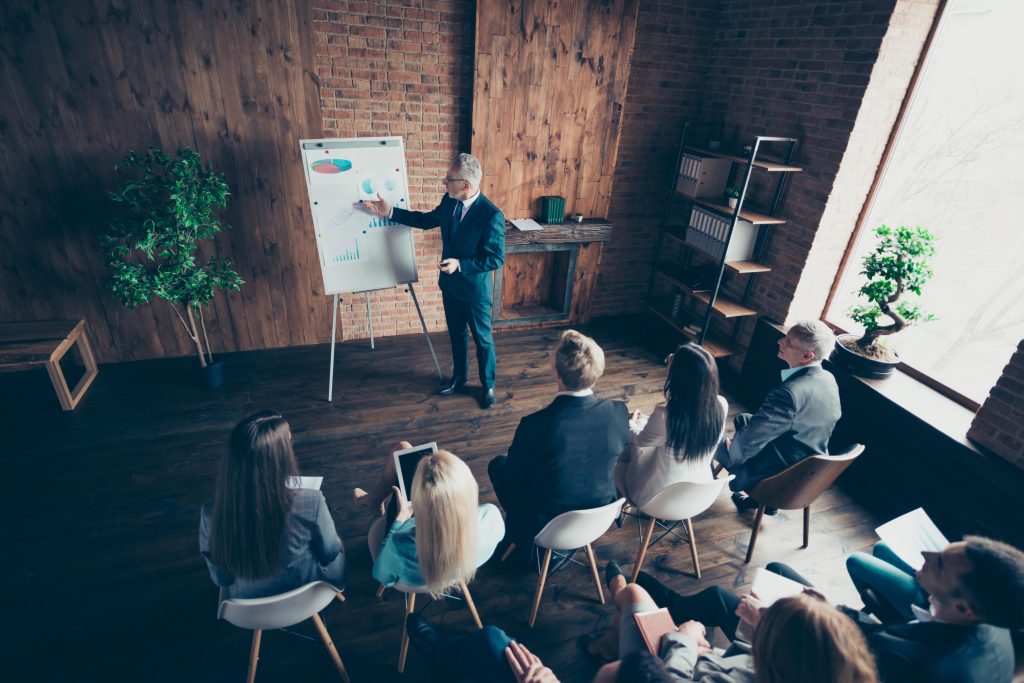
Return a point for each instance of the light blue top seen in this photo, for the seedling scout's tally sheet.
(397, 561)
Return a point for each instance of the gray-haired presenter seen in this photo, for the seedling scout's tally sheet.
(473, 245)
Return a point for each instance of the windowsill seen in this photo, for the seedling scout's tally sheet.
(926, 404)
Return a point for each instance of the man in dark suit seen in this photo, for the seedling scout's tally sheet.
(472, 246)
(974, 592)
(795, 420)
(562, 457)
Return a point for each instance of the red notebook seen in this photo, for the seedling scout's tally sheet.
(653, 625)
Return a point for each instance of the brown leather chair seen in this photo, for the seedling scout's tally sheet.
(798, 486)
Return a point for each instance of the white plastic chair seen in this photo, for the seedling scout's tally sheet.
(373, 539)
(570, 531)
(677, 503)
(282, 611)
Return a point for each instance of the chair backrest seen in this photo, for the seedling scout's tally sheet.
(577, 528)
(684, 499)
(278, 611)
(800, 485)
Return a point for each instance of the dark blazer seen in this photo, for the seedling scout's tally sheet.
(479, 244)
(796, 420)
(932, 652)
(563, 456)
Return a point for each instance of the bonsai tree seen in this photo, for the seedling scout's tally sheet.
(153, 248)
(898, 265)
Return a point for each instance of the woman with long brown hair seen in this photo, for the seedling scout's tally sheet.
(677, 442)
(261, 537)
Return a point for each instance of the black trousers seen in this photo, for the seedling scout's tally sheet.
(713, 606)
(522, 519)
(463, 318)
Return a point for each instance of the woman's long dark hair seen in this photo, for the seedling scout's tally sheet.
(252, 501)
(693, 415)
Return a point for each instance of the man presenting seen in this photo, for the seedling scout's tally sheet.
(795, 420)
(473, 245)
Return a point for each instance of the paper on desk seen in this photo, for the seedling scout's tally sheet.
(527, 224)
(769, 588)
(909, 534)
(312, 483)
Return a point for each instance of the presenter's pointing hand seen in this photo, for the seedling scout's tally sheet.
(378, 207)
(449, 265)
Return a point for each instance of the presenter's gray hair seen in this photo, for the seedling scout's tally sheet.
(816, 336)
(469, 168)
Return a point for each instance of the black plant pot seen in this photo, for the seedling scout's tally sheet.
(212, 376)
(859, 365)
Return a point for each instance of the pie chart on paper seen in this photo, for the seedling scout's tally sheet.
(331, 166)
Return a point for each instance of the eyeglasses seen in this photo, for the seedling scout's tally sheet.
(452, 180)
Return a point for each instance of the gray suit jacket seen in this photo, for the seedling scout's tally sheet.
(796, 420)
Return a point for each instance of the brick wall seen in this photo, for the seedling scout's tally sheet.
(399, 68)
(999, 424)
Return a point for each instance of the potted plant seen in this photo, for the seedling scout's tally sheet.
(153, 247)
(733, 196)
(898, 265)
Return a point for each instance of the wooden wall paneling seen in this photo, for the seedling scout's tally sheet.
(588, 262)
(87, 82)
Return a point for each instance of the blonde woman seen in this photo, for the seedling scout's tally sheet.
(441, 537)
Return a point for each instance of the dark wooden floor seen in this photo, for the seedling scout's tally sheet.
(102, 579)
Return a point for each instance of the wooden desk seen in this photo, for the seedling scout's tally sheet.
(29, 345)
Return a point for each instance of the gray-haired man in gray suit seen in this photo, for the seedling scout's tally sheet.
(795, 420)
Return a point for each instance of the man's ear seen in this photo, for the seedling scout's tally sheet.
(964, 609)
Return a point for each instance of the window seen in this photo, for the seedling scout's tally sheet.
(955, 168)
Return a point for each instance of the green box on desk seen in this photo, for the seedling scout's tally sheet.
(552, 209)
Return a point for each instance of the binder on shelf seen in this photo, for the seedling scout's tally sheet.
(702, 176)
(708, 231)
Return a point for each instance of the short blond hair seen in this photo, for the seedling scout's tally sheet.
(579, 361)
(446, 497)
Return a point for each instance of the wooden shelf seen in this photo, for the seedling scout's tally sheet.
(770, 166)
(717, 348)
(755, 217)
(727, 308)
(678, 232)
(677, 275)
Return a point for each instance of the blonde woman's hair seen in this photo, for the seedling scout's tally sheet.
(579, 361)
(445, 496)
(803, 639)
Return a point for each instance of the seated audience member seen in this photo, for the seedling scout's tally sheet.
(678, 441)
(795, 420)
(443, 535)
(562, 457)
(259, 537)
(797, 639)
(975, 593)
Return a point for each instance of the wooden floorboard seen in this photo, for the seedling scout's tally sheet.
(102, 576)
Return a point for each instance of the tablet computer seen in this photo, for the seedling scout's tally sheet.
(405, 465)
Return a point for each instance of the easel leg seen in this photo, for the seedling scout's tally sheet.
(334, 332)
(369, 318)
(423, 324)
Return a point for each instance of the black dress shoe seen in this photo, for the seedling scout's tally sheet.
(744, 502)
(489, 398)
(422, 633)
(451, 386)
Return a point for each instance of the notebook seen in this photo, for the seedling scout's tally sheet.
(653, 625)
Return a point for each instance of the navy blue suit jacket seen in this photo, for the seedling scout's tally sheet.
(479, 244)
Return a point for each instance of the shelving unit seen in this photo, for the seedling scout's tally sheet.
(703, 243)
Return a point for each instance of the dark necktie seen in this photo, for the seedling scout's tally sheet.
(456, 218)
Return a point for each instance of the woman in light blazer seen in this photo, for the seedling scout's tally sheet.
(677, 442)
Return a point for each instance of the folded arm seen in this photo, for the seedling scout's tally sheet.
(773, 419)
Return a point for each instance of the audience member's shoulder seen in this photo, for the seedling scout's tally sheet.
(307, 499)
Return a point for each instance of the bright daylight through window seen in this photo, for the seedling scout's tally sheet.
(955, 169)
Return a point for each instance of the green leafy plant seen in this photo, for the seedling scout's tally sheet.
(732, 192)
(898, 265)
(153, 247)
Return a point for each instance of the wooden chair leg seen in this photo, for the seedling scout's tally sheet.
(718, 468)
(693, 547)
(593, 570)
(540, 586)
(329, 644)
(380, 591)
(340, 596)
(753, 534)
(410, 606)
(508, 552)
(644, 543)
(469, 603)
(807, 525)
(254, 655)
